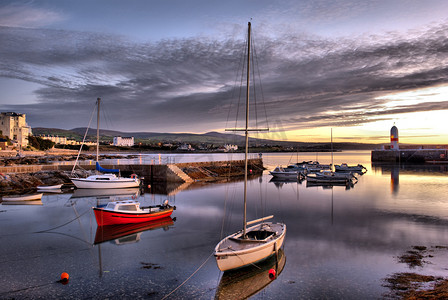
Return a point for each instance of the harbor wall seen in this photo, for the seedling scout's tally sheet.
(156, 173)
(409, 155)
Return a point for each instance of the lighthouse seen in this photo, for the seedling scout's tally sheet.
(394, 138)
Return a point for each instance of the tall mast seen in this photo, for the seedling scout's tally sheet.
(246, 129)
(98, 100)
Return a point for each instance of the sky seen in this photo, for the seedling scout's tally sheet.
(342, 69)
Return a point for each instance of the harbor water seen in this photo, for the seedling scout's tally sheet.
(341, 242)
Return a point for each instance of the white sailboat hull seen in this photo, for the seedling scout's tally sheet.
(99, 182)
(231, 253)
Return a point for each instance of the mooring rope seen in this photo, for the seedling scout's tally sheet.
(63, 224)
(185, 281)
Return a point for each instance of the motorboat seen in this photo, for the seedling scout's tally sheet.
(129, 211)
(329, 176)
(280, 172)
(346, 168)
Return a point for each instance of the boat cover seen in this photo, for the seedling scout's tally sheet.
(103, 170)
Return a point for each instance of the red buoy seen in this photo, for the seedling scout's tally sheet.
(64, 277)
(272, 274)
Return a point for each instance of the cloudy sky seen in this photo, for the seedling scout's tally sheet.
(354, 66)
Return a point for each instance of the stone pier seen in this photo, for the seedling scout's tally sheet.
(184, 172)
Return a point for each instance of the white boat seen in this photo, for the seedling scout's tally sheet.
(21, 198)
(246, 282)
(329, 176)
(346, 168)
(280, 172)
(315, 166)
(260, 241)
(49, 187)
(104, 181)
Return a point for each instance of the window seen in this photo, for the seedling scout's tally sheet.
(127, 207)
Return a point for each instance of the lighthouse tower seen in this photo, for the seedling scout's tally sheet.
(394, 138)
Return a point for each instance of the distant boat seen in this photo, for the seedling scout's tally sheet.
(281, 173)
(21, 198)
(127, 212)
(257, 242)
(346, 168)
(329, 176)
(104, 181)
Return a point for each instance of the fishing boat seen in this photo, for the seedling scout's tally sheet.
(103, 181)
(21, 198)
(260, 241)
(129, 211)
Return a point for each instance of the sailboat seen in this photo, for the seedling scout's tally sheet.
(260, 241)
(108, 180)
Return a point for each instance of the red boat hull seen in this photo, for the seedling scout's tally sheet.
(107, 217)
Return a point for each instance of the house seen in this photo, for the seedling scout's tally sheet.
(14, 126)
(3, 144)
(123, 141)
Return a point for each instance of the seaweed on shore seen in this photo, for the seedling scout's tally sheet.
(414, 258)
(416, 286)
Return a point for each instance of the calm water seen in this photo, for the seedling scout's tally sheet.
(340, 243)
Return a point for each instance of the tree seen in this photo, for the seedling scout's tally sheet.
(40, 143)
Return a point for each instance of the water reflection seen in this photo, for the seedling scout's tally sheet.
(31, 202)
(246, 282)
(129, 233)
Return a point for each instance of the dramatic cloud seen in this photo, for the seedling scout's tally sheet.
(188, 84)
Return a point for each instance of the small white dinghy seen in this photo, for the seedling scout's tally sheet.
(49, 187)
(20, 198)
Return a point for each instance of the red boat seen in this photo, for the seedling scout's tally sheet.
(129, 211)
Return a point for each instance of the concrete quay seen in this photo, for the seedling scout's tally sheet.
(410, 155)
(184, 172)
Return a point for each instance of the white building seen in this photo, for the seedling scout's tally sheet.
(14, 126)
(229, 147)
(123, 141)
(62, 140)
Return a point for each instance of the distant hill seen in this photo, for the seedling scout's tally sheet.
(214, 138)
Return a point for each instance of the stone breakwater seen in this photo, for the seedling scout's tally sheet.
(25, 174)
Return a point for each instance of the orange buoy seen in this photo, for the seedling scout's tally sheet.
(64, 277)
(272, 274)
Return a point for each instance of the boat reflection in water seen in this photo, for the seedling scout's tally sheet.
(279, 182)
(129, 233)
(329, 185)
(30, 202)
(246, 282)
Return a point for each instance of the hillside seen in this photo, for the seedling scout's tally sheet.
(210, 138)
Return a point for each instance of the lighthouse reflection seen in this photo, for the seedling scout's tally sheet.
(395, 179)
